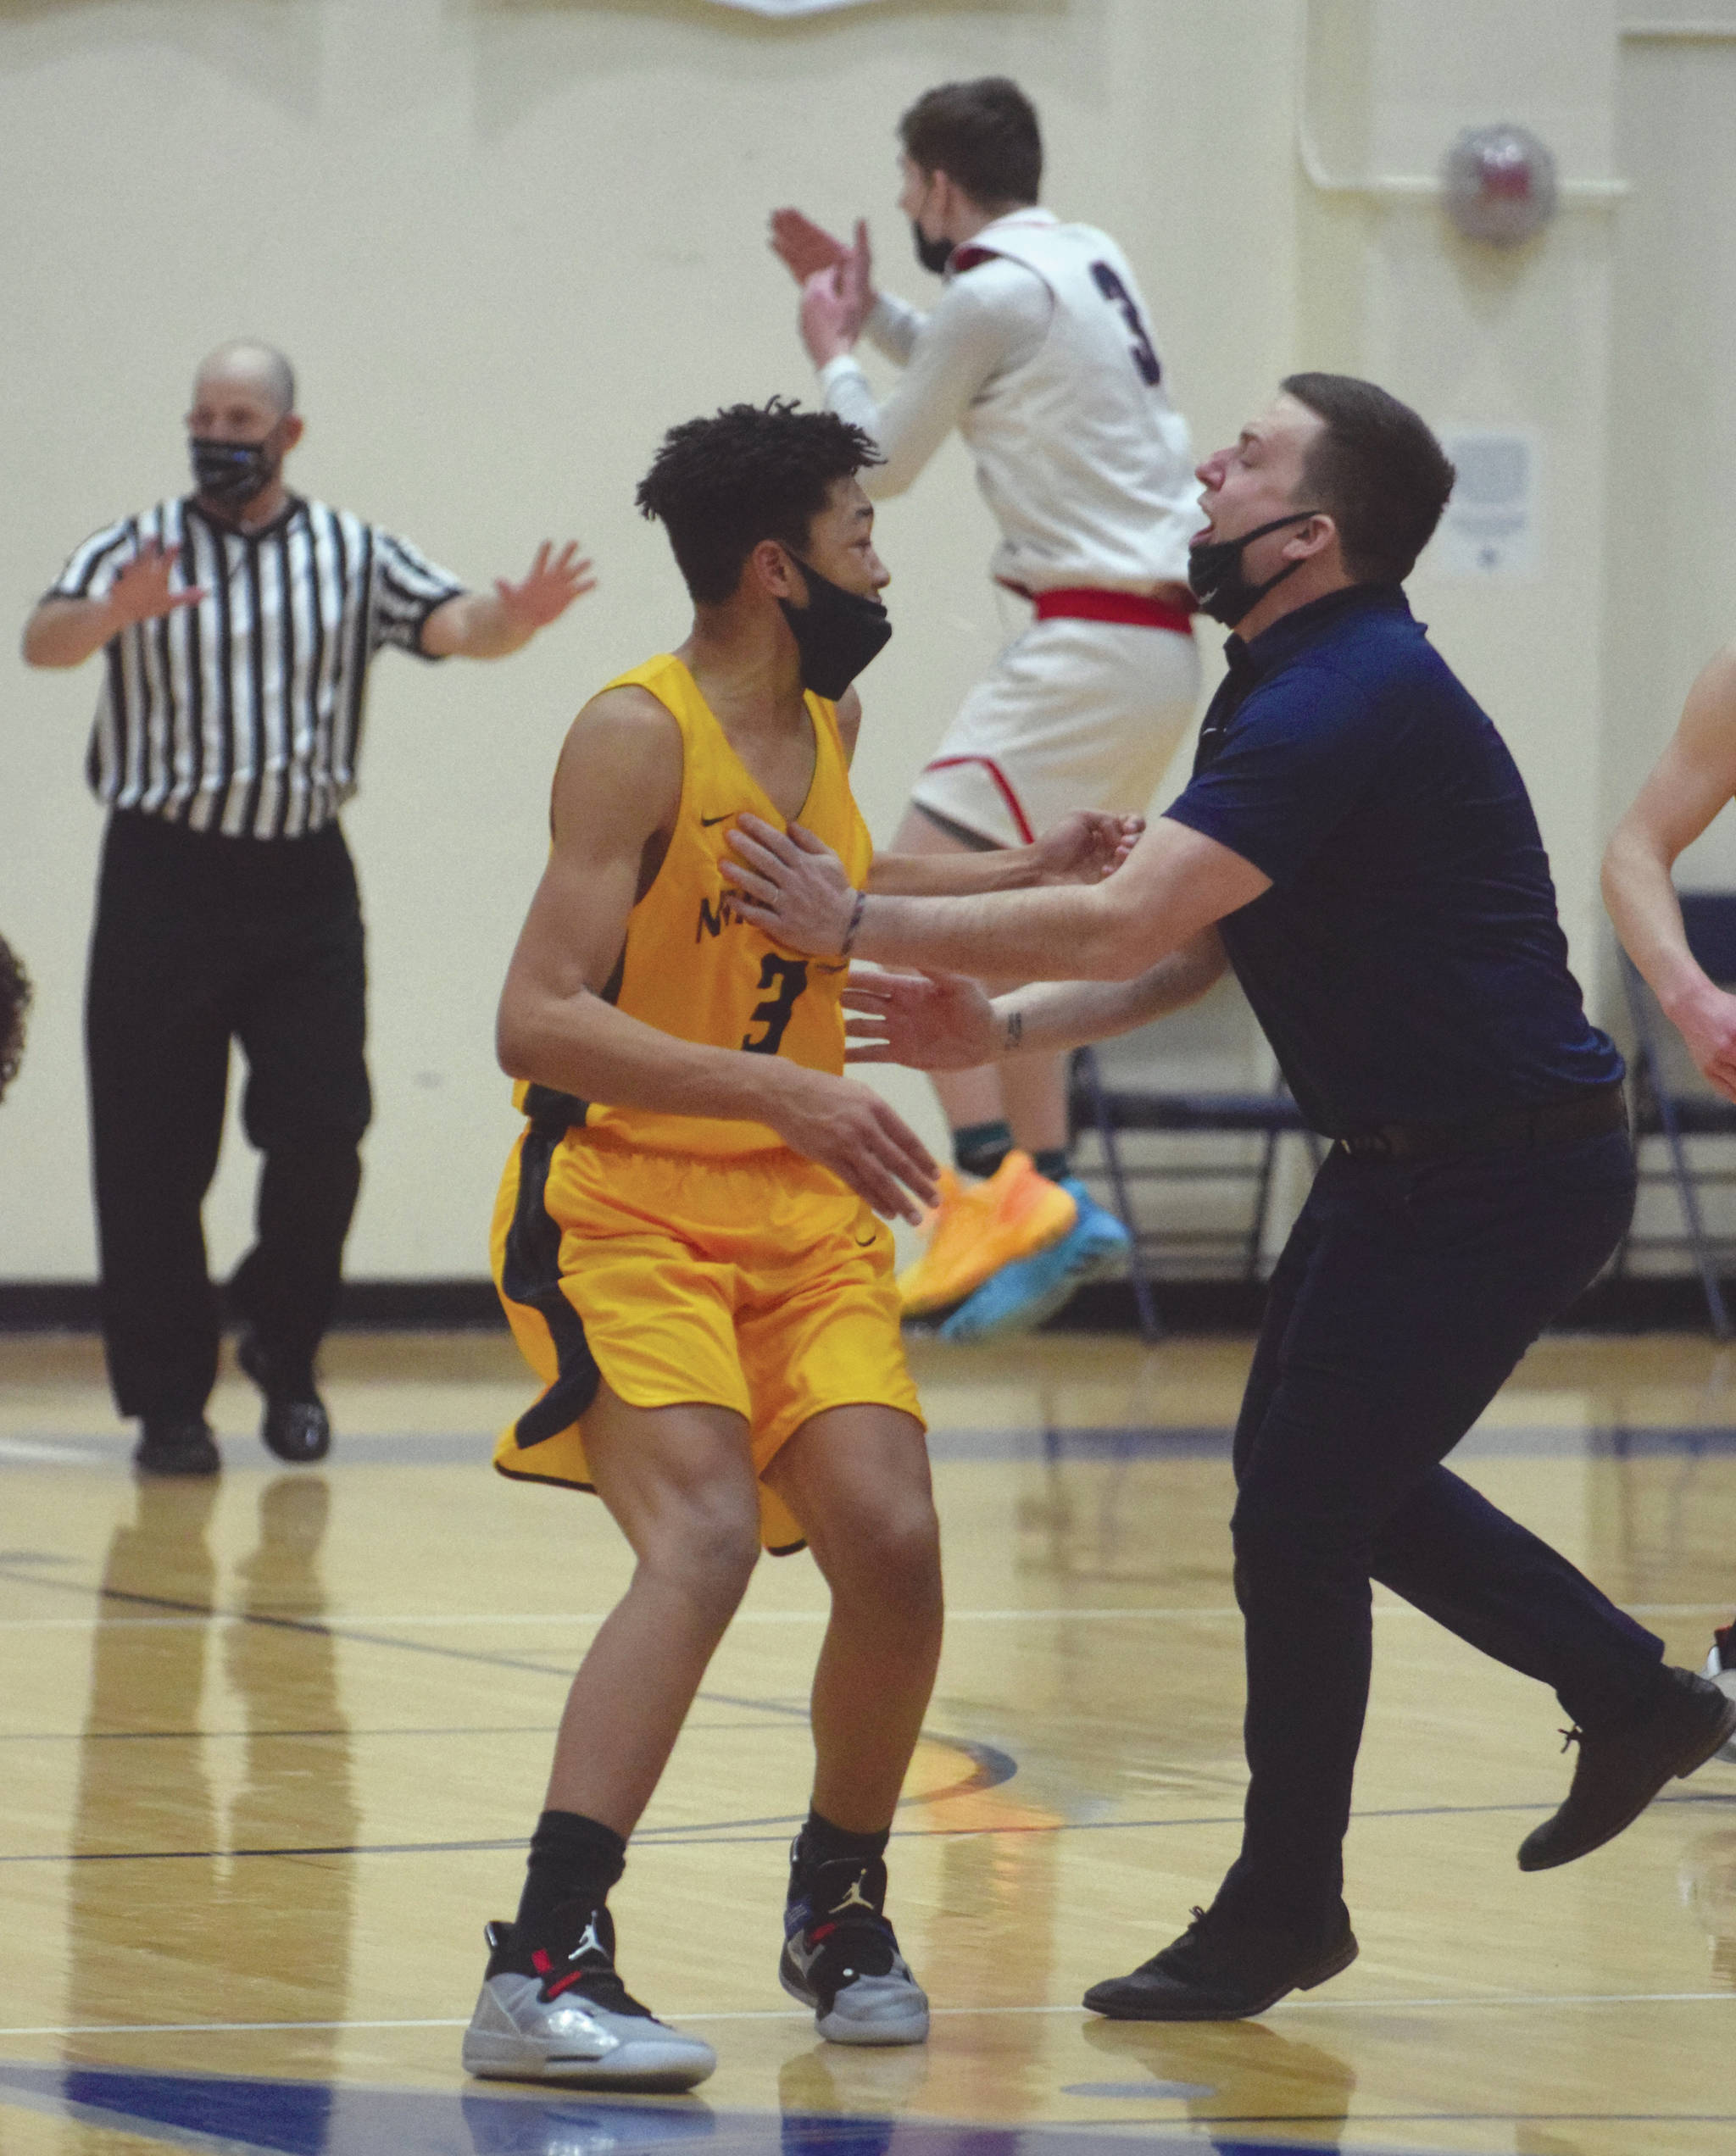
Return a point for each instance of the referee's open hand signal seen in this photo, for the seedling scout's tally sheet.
(555, 580)
(141, 592)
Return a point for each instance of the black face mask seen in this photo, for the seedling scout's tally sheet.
(1215, 571)
(933, 254)
(836, 633)
(232, 473)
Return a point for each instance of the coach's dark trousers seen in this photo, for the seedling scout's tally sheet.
(200, 940)
(1404, 1297)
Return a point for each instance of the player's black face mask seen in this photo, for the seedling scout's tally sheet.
(1215, 571)
(232, 473)
(836, 633)
(933, 254)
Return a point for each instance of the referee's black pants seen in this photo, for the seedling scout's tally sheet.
(201, 940)
(1406, 1295)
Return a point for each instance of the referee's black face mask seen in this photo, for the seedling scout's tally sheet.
(836, 633)
(1215, 571)
(232, 473)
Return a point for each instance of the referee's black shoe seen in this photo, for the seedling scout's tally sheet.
(295, 1426)
(1620, 1769)
(1223, 1968)
(175, 1444)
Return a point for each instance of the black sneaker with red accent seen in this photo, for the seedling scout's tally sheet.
(841, 1956)
(556, 2010)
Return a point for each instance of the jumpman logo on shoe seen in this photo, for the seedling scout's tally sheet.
(854, 1899)
(588, 1943)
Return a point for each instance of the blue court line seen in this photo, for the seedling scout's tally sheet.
(227, 2116)
(231, 2114)
(1108, 1442)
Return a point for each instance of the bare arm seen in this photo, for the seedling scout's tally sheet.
(492, 624)
(987, 323)
(940, 1021)
(616, 792)
(1175, 882)
(1084, 848)
(1692, 781)
(64, 632)
(1081, 848)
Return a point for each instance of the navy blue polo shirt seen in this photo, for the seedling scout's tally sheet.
(1407, 965)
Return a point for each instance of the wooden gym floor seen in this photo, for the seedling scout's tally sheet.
(270, 1748)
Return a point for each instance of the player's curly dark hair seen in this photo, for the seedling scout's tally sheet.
(14, 1001)
(751, 472)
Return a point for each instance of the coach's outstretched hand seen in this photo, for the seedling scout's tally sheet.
(930, 1021)
(1085, 847)
(848, 1128)
(792, 885)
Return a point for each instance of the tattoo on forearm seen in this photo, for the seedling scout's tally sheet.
(1015, 1030)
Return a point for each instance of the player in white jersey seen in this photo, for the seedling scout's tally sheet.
(1039, 352)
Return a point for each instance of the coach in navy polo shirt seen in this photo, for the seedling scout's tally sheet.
(1356, 842)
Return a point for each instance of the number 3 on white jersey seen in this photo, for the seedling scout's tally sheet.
(1115, 293)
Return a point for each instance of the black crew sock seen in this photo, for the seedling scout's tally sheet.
(1054, 1161)
(980, 1147)
(572, 1858)
(821, 1843)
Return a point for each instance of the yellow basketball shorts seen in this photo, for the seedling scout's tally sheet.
(756, 1283)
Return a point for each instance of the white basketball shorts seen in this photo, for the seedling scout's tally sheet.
(1074, 714)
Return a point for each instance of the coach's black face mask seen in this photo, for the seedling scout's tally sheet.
(933, 254)
(836, 633)
(1215, 571)
(232, 473)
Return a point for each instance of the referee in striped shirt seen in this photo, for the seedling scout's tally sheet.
(236, 626)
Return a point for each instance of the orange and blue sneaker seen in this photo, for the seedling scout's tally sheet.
(980, 1227)
(1022, 1295)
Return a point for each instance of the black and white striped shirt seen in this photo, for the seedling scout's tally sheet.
(243, 714)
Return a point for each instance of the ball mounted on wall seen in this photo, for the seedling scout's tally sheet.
(1498, 185)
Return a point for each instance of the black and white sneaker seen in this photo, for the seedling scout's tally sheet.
(841, 1956)
(1721, 1668)
(558, 2012)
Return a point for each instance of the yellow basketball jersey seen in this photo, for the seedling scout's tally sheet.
(691, 966)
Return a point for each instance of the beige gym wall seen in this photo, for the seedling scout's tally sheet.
(507, 242)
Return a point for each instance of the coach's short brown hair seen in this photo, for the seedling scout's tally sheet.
(1376, 470)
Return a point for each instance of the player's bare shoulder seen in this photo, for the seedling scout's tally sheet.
(620, 768)
(1712, 699)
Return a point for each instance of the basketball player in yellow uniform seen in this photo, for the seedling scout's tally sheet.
(687, 1246)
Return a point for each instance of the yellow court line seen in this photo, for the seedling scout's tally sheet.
(1506, 2001)
(329, 1620)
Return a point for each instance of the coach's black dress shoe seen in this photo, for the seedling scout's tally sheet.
(175, 1444)
(1223, 1968)
(296, 1425)
(1620, 1769)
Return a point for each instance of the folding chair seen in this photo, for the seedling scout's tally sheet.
(1675, 1109)
(1109, 1108)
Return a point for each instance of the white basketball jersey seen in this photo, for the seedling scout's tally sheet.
(1085, 463)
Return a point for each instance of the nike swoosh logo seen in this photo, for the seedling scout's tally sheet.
(864, 1242)
(708, 822)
